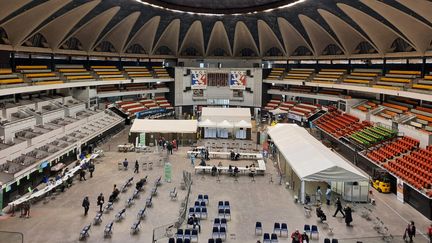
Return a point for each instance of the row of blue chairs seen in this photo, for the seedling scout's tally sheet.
(178, 240)
(327, 240)
(199, 212)
(200, 204)
(217, 240)
(224, 205)
(312, 230)
(224, 213)
(270, 239)
(190, 234)
(219, 232)
(220, 222)
(279, 228)
(203, 198)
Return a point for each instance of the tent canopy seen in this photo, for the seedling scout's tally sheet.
(309, 158)
(243, 124)
(232, 115)
(207, 123)
(225, 124)
(164, 126)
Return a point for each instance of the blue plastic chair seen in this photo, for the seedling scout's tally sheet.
(258, 228)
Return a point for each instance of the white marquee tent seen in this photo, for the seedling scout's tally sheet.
(309, 158)
(164, 126)
(220, 122)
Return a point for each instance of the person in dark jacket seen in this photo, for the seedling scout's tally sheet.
(82, 174)
(86, 205)
(338, 208)
(305, 237)
(100, 201)
(136, 167)
(348, 215)
(410, 232)
(91, 169)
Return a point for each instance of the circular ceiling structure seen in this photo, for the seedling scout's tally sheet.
(220, 6)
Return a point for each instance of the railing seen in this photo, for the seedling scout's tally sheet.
(11, 237)
(168, 230)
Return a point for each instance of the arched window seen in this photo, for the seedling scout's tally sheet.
(136, 49)
(72, 44)
(332, 49)
(274, 51)
(364, 47)
(247, 52)
(38, 40)
(4, 37)
(219, 52)
(399, 45)
(190, 52)
(163, 50)
(105, 46)
(302, 51)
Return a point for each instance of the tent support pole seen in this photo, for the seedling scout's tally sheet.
(302, 191)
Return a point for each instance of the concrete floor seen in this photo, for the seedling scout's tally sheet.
(61, 219)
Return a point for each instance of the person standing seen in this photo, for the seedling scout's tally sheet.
(192, 158)
(91, 169)
(169, 148)
(296, 237)
(410, 232)
(86, 205)
(328, 195)
(100, 201)
(305, 237)
(348, 215)
(136, 167)
(318, 195)
(82, 174)
(338, 208)
(125, 164)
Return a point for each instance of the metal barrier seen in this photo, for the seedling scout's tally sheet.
(377, 239)
(11, 237)
(168, 230)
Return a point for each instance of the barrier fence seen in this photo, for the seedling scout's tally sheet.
(168, 230)
(11, 237)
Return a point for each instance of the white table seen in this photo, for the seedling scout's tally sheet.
(50, 187)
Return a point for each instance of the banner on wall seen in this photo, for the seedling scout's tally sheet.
(199, 79)
(238, 80)
(400, 189)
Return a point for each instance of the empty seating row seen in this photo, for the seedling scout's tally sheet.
(74, 72)
(160, 72)
(138, 72)
(276, 73)
(370, 136)
(393, 149)
(108, 72)
(39, 75)
(300, 74)
(7, 77)
(362, 76)
(339, 125)
(329, 75)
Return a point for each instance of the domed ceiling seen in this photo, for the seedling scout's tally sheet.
(220, 6)
(223, 28)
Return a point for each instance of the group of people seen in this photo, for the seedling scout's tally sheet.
(234, 156)
(169, 146)
(100, 200)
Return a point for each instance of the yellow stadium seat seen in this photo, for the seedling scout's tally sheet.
(396, 80)
(72, 70)
(405, 72)
(358, 81)
(108, 73)
(40, 75)
(5, 71)
(11, 81)
(80, 77)
(422, 86)
(106, 67)
(24, 67)
(386, 87)
(48, 82)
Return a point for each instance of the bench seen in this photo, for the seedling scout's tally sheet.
(109, 206)
(141, 213)
(84, 234)
(120, 215)
(129, 202)
(154, 191)
(173, 194)
(149, 201)
(135, 226)
(108, 229)
(97, 219)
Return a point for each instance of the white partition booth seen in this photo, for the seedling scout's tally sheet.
(225, 123)
(307, 163)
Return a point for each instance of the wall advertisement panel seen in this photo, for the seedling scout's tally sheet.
(238, 79)
(400, 189)
(199, 79)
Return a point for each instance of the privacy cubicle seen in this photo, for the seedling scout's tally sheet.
(306, 162)
(225, 123)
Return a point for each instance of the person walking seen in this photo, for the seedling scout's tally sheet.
(338, 208)
(169, 148)
(136, 167)
(348, 215)
(82, 174)
(410, 232)
(91, 169)
(100, 201)
(86, 205)
(328, 195)
(318, 195)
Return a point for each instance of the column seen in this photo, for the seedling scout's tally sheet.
(302, 191)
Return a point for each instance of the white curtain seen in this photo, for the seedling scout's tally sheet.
(222, 133)
(241, 134)
(210, 132)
